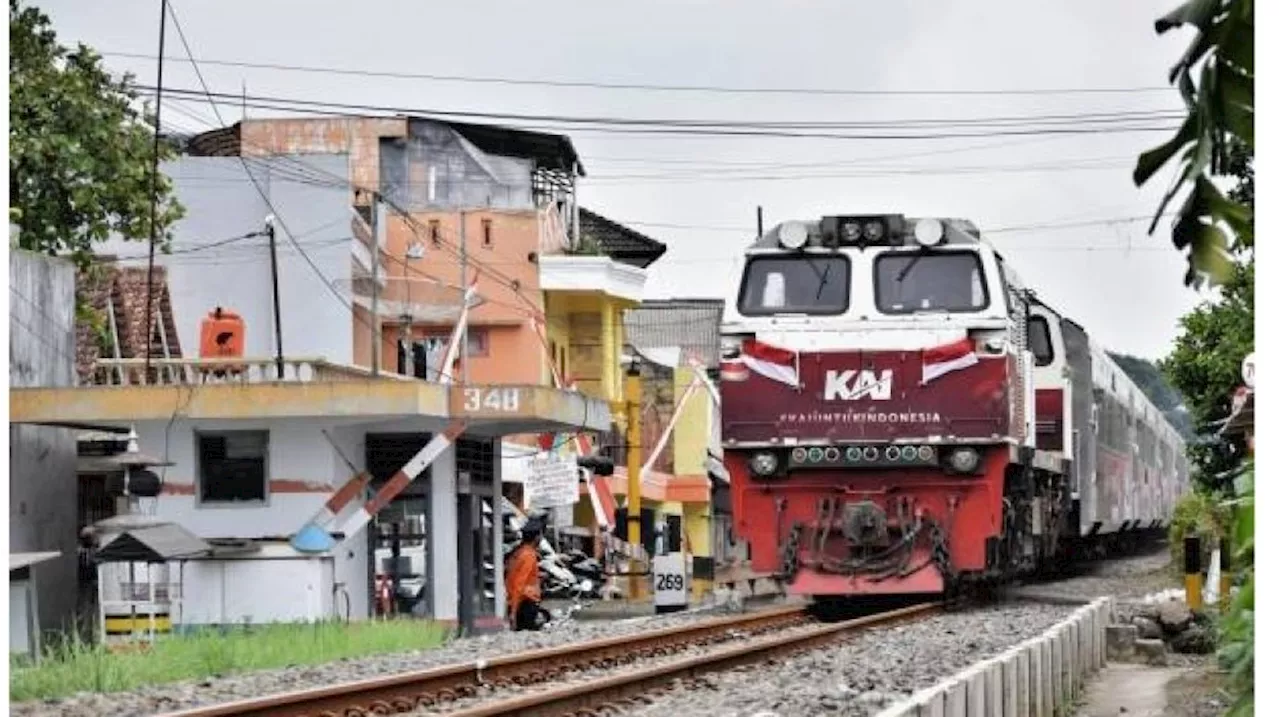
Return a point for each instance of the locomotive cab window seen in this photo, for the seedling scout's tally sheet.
(795, 284)
(1040, 340)
(909, 282)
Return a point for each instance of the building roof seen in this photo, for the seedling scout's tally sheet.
(622, 243)
(548, 151)
(18, 561)
(155, 544)
(691, 325)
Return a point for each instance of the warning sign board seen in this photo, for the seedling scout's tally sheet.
(552, 481)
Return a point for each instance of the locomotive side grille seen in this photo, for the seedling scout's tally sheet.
(1018, 338)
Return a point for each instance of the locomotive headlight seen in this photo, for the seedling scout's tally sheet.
(964, 460)
(798, 455)
(893, 453)
(925, 453)
(852, 231)
(874, 231)
(870, 453)
(908, 453)
(764, 464)
(928, 232)
(793, 235)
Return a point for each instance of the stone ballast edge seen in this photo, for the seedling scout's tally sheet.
(1034, 677)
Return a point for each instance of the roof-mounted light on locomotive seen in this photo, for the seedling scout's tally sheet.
(928, 232)
(863, 231)
(793, 235)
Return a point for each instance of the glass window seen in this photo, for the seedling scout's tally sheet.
(934, 281)
(233, 466)
(795, 284)
(1039, 338)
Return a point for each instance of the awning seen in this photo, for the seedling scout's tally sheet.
(18, 561)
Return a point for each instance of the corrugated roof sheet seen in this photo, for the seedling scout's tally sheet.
(693, 325)
(153, 545)
(18, 561)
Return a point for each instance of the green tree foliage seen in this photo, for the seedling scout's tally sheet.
(80, 154)
(1216, 140)
(1219, 118)
(1205, 367)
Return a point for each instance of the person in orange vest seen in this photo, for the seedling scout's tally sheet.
(524, 591)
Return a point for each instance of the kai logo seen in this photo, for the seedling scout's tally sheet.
(856, 385)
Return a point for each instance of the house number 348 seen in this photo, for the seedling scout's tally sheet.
(501, 400)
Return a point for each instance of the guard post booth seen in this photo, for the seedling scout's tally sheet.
(257, 458)
(491, 412)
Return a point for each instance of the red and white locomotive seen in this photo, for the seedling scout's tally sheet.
(900, 414)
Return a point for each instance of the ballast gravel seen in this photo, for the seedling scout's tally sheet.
(1127, 578)
(864, 674)
(906, 656)
(170, 697)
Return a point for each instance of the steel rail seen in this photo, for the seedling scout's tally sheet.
(433, 687)
(618, 693)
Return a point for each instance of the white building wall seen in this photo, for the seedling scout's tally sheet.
(284, 583)
(209, 267)
(297, 451)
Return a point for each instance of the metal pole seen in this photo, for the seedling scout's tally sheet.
(375, 328)
(632, 395)
(759, 222)
(464, 339)
(155, 170)
(275, 297)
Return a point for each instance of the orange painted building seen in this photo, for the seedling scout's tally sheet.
(552, 280)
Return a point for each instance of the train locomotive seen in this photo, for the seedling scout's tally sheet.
(901, 414)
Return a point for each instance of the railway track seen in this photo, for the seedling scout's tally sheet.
(435, 688)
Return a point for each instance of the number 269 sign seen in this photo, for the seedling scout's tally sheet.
(491, 400)
(669, 582)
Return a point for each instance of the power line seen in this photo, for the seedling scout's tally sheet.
(701, 128)
(728, 176)
(657, 87)
(265, 198)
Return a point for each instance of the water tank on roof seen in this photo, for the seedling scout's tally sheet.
(222, 334)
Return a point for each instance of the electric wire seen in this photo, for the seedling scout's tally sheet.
(707, 88)
(699, 128)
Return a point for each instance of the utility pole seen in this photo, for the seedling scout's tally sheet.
(275, 295)
(155, 171)
(632, 396)
(464, 345)
(759, 222)
(375, 329)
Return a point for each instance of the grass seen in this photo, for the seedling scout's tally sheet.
(74, 666)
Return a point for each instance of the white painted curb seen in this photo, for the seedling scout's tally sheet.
(1030, 679)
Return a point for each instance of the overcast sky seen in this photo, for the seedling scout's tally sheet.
(1124, 286)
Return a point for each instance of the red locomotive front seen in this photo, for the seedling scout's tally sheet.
(874, 384)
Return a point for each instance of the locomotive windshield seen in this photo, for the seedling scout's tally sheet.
(929, 281)
(795, 284)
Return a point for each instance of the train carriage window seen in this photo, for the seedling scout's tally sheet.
(933, 281)
(795, 284)
(1039, 337)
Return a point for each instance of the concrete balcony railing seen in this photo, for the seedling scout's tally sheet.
(133, 372)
